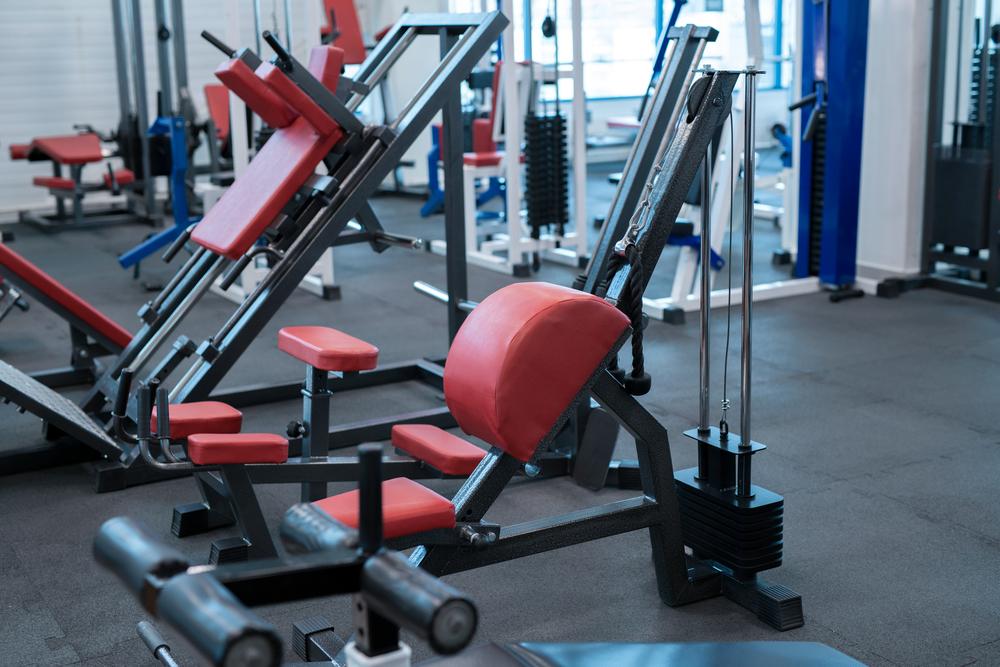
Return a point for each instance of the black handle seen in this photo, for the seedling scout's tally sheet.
(115, 188)
(218, 43)
(419, 602)
(123, 391)
(283, 56)
(143, 415)
(306, 529)
(176, 246)
(216, 623)
(370, 498)
(163, 414)
(812, 124)
(234, 272)
(805, 101)
(123, 547)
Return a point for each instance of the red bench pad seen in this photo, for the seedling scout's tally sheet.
(201, 417)
(520, 359)
(327, 349)
(123, 176)
(70, 149)
(54, 182)
(232, 448)
(19, 151)
(348, 26)
(407, 508)
(286, 89)
(20, 268)
(217, 100)
(263, 101)
(444, 451)
(256, 198)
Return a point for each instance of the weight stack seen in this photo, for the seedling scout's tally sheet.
(546, 173)
(743, 534)
(817, 203)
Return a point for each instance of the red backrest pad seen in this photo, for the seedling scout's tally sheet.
(32, 275)
(286, 89)
(19, 151)
(258, 96)
(217, 99)
(348, 26)
(256, 198)
(70, 149)
(521, 357)
(325, 63)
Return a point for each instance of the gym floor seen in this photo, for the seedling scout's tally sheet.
(879, 416)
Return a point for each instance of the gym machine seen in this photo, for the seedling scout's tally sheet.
(960, 252)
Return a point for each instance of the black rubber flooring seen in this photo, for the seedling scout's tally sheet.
(880, 418)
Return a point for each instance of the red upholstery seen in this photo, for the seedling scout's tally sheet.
(70, 149)
(482, 159)
(624, 122)
(259, 97)
(521, 357)
(217, 99)
(201, 417)
(227, 448)
(407, 508)
(256, 198)
(327, 349)
(17, 266)
(54, 182)
(325, 63)
(123, 176)
(482, 136)
(19, 151)
(435, 446)
(348, 26)
(286, 89)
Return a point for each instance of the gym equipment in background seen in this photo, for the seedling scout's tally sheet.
(960, 251)
(280, 208)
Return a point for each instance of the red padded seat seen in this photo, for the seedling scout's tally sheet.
(327, 349)
(123, 176)
(201, 417)
(20, 268)
(349, 28)
(490, 159)
(54, 182)
(19, 151)
(520, 359)
(407, 508)
(231, 448)
(70, 149)
(442, 450)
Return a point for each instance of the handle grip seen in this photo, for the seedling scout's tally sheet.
(805, 101)
(419, 602)
(123, 547)
(218, 43)
(163, 414)
(144, 413)
(306, 529)
(122, 394)
(279, 50)
(177, 244)
(216, 623)
(234, 272)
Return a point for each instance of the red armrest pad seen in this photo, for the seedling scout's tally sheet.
(18, 266)
(285, 88)
(123, 176)
(327, 349)
(407, 508)
(19, 151)
(257, 95)
(444, 451)
(70, 149)
(256, 198)
(54, 182)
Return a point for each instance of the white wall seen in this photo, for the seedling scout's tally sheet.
(895, 137)
(59, 69)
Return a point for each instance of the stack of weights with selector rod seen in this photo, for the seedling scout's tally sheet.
(546, 169)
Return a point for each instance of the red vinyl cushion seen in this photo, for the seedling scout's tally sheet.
(407, 508)
(217, 100)
(123, 176)
(482, 136)
(55, 290)
(435, 446)
(348, 26)
(326, 63)
(521, 357)
(258, 96)
(288, 91)
(256, 198)
(482, 159)
(54, 182)
(327, 349)
(70, 149)
(19, 151)
(228, 448)
(201, 417)
(624, 122)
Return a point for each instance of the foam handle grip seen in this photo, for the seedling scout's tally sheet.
(419, 602)
(306, 529)
(123, 547)
(124, 388)
(216, 623)
(162, 413)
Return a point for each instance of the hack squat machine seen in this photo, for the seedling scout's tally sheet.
(733, 527)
